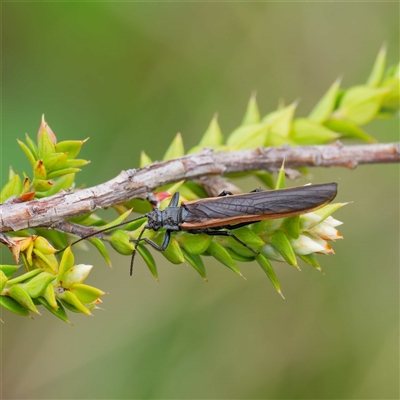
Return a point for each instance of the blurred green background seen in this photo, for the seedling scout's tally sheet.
(130, 76)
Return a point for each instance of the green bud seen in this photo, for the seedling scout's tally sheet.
(8, 270)
(239, 257)
(246, 235)
(64, 183)
(194, 244)
(85, 293)
(307, 132)
(173, 252)
(378, 69)
(361, 104)
(43, 245)
(55, 161)
(175, 149)
(12, 188)
(47, 262)
(28, 152)
(40, 185)
(50, 296)
(71, 299)
(248, 137)
(121, 242)
(61, 172)
(46, 145)
(267, 226)
(196, 262)
(221, 254)
(326, 105)
(37, 286)
(71, 147)
(149, 260)
(291, 226)
(213, 136)
(281, 243)
(19, 294)
(267, 268)
(76, 274)
(39, 170)
(12, 305)
(66, 263)
(144, 160)
(252, 115)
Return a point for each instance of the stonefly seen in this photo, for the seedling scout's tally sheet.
(218, 216)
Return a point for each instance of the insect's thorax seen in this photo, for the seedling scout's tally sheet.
(170, 218)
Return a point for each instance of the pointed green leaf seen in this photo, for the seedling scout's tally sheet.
(144, 159)
(28, 152)
(221, 254)
(326, 105)
(46, 146)
(175, 149)
(281, 181)
(66, 263)
(8, 270)
(19, 294)
(71, 299)
(327, 210)
(12, 188)
(280, 242)
(75, 163)
(360, 104)
(267, 268)
(72, 147)
(117, 220)
(149, 260)
(64, 183)
(279, 123)
(291, 226)
(311, 259)
(24, 277)
(40, 185)
(36, 286)
(101, 248)
(248, 137)
(247, 236)
(307, 132)
(3, 280)
(62, 172)
(196, 262)
(252, 115)
(239, 257)
(348, 129)
(378, 70)
(32, 146)
(55, 161)
(121, 242)
(173, 252)
(85, 293)
(12, 305)
(59, 312)
(213, 135)
(194, 244)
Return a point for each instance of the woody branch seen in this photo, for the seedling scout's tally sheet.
(52, 212)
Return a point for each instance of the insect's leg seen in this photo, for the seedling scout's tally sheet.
(225, 193)
(175, 200)
(165, 243)
(230, 234)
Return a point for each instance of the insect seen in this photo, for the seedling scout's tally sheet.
(218, 216)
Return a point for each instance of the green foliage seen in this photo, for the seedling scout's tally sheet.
(59, 284)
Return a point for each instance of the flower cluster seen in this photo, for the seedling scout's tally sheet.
(47, 282)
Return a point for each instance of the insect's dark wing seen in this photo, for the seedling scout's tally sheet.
(251, 207)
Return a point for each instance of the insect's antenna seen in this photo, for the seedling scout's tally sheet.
(135, 248)
(100, 231)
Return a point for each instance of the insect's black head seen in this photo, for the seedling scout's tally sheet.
(154, 220)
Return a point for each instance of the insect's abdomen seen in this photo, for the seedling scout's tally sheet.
(257, 206)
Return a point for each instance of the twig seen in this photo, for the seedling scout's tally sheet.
(52, 211)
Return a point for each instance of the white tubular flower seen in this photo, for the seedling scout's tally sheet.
(309, 219)
(326, 231)
(306, 245)
(77, 274)
(333, 222)
(324, 244)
